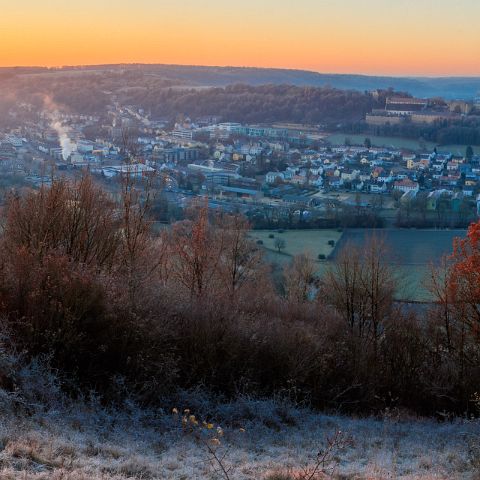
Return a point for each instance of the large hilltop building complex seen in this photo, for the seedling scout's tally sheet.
(399, 110)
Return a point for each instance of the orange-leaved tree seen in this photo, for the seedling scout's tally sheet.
(464, 281)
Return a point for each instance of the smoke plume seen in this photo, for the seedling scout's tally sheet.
(63, 131)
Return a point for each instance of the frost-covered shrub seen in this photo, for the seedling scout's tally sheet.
(474, 440)
(28, 384)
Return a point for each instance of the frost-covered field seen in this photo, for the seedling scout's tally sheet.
(92, 443)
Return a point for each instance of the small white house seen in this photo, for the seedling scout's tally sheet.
(271, 177)
(406, 185)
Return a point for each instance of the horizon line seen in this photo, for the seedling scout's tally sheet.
(391, 75)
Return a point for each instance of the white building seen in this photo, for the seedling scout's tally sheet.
(406, 185)
(184, 133)
(379, 187)
(84, 146)
(16, 142)
(132, 170)
(272, 177)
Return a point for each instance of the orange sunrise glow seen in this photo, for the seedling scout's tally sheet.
(375, 37)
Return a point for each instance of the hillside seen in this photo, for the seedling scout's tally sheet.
(447, 87)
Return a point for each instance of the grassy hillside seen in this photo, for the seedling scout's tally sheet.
(84, 442)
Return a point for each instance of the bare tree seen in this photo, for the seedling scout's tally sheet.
(240, 258)
(129, 144)
(299, 278)
(195, 253)
(137, 243)
(438, 284)
(342, 288)
(379, 283)
(280, 244)
(74, 218)
(361, 287)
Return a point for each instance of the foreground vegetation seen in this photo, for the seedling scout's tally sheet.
(106, 328)
(84, 282)
(275, 442)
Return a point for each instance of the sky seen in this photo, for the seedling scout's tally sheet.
(391, 37)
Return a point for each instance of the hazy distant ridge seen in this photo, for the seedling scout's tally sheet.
(447, 87)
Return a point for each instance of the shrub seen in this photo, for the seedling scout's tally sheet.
(279, 476)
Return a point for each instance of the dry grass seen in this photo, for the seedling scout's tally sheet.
(85, 443)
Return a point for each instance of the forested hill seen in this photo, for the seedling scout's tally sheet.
(447, 87)
(264, 104)
(90, 92)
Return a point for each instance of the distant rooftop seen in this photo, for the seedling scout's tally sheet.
(407, 100)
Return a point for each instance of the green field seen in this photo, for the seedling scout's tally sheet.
(396, 142)
(411, 252)
(311, 242)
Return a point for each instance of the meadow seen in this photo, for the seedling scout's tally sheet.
(413, 252)
(312, 242)
(405, 246)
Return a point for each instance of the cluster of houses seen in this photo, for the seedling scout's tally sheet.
(395, 173)
(383, 171)
(289, 163)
